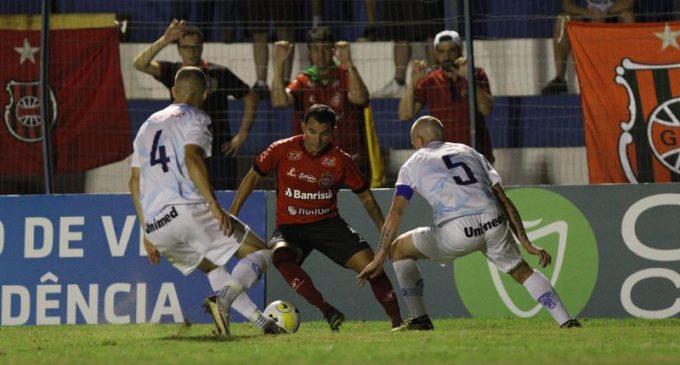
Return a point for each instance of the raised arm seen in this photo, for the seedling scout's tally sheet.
(518, 227)
(246, 187)
(144, 60)
(408, 106)
(280, 96)
(358, 92)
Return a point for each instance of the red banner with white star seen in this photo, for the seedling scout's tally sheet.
(88, 118)
(629, 75)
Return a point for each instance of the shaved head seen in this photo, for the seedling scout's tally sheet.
(428, 129)
(189, 81)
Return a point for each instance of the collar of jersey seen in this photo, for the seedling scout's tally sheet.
(313, 74)
(201, 64)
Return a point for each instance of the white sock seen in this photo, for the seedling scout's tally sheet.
(245, 306)
(227, 286)
(540, 289)
(250, 268)
(411, 283)
(218, 278)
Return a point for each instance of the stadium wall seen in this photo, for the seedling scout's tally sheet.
(77, 259)
(614, 247)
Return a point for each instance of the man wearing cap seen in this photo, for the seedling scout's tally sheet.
(445, 90)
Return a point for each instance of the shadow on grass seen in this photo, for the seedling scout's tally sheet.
(207, 338)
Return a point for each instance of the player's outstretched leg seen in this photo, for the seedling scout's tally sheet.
(543, 292)
(245, 306)
(298, 279)
(411, 282)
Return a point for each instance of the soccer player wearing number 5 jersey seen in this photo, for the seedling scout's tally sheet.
(309, 172)
(471, 213)
(179, 211)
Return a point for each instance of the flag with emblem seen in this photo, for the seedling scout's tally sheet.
(88, 120)
(629, 75)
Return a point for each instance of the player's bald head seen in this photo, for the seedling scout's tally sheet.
(190, 81)
(428, 128)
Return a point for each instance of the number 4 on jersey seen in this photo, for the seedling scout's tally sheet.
(158, 155)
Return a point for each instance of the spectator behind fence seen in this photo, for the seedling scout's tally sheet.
(282, 14)
(222, 83)
(597, 11)
(405, 22)
(445, 90)
(338, 86)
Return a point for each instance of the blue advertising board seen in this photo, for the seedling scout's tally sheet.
(78, 259)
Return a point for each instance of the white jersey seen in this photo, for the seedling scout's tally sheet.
(159, 153)
(454, 178)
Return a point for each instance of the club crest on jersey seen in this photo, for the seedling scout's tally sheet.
(328, 161)
(654, 136)
(294, 155)
(22, 112)
(326, 180)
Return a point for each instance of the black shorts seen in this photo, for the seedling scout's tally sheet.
(332, 237)
(281, 13)
(411, 20)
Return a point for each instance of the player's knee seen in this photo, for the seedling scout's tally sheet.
(283, 255)
(521, 272)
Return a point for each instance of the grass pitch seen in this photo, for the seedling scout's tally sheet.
(455, 341)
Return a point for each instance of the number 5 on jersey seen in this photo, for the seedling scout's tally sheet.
(158, 155)
(467, 179)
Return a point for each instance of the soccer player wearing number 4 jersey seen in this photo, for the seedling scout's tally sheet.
(471, 213)
(309, 172)
(178, 208)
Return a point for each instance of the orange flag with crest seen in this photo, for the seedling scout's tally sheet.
(629, 75)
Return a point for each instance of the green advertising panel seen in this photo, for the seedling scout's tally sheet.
(554, 223)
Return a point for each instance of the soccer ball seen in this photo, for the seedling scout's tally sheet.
(285, 314)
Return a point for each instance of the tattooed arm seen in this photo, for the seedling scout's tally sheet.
(387, 236)
(517, 226)
(372, 208)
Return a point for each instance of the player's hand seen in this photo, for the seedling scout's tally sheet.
(232, 147)
(373, 269)
(282, 49)
(151, 252)
(460, 67)
(418, 71)
(222, 217)
(174, 31)
(544, 258)
(343, 53)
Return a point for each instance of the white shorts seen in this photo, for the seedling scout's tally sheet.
(186, 234)
(487, 232)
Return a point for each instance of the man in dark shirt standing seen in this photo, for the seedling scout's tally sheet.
(222, 83)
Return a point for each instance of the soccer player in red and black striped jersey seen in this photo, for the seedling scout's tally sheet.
(309, 172)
